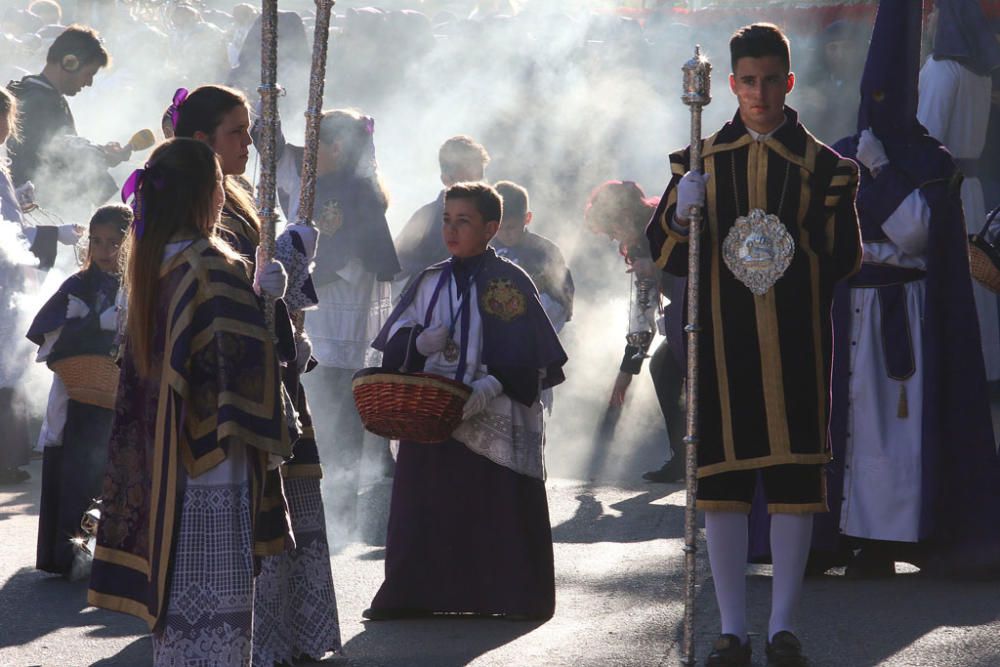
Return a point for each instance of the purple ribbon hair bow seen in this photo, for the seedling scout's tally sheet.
(175, 107)
(133, 189)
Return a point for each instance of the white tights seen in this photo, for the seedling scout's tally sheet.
(726, 535)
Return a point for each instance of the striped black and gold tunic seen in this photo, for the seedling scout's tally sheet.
(765, 359)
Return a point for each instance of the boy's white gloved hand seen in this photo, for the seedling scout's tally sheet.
(109, 319)
(273, 461)
(69, 234)
(871, 152)
(690, 192)
(270, 277)
(431, 341)
(76, 308)
(484, 390)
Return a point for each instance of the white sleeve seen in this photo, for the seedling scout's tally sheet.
(937, 97)
(55, 416)
(45, 349)
(908, 225)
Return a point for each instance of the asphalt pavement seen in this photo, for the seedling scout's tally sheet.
(619, 571)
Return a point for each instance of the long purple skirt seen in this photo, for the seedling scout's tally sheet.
(466, 535)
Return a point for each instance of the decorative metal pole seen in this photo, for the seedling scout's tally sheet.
(314, 116)
(267, 186)
(314, 111)
(697, 94)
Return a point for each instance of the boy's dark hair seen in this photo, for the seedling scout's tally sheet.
(487, 199)
(81, 42)
(462, 151)
(759, 40)
(117, 215)
(515, 200)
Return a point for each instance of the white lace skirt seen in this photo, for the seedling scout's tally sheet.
(295, 608)
(209, 610)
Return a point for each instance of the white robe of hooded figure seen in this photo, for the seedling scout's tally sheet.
(955, 108)
(882, 466)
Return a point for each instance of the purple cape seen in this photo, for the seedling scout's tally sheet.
(527, 341)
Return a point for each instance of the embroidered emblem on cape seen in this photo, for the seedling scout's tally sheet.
(758, 250)
(330, 218)
(502, 299)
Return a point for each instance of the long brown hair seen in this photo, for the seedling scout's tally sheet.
(203, 111)
(176, 196)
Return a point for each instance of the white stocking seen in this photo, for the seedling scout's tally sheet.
(726, 535)
(791, 535)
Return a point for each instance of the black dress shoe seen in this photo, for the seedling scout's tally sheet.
(394, 614)
(670, 472)
(785, 650)
(870, 564)
(13, 476)
(729, 652)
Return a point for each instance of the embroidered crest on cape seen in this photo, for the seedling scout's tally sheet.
(502, 299)
(330, 218)
(758, 250)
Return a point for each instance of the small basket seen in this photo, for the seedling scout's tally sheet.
(89, 378)
(419, 407)
(984, 262)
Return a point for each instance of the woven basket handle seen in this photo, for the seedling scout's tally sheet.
(984, 233)
(411, 345)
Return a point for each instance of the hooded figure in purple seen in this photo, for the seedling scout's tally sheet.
(914, 475)
(955, 92)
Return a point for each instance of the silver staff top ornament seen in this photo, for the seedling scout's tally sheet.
(697, 80)
(758, 250)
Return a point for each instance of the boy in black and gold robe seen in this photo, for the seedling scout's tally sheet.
(780, 229)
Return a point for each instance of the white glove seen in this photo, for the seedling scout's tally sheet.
(309, 236)
(690, 192)
(270, 277)
(76, 308)
(303, 350)
(25, 195)
(432, 340)
(69, 234)
(484, 390)
(109, 319)
(871, 152)
(274, 460)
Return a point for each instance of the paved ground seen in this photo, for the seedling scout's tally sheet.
(619, 573)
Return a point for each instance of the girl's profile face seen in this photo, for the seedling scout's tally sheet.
(105, 240)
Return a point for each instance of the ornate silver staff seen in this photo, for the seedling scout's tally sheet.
(314, 111)
(314, 116)
(697, 94)
(267, 186)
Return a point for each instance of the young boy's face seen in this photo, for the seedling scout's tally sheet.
(760, 86)
(465, 232)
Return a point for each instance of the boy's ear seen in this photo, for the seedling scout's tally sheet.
(527, 218)
(491, 227)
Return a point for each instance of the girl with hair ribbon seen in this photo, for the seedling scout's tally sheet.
(188, 505)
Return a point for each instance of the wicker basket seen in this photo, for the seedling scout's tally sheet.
(984, 261)
(89, 378)
(419, 407)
